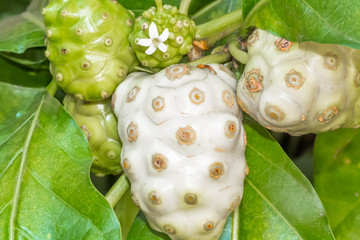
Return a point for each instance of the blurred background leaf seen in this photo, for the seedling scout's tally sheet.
(17, 74)
(215, 9)
(337, 179)
(25, 30)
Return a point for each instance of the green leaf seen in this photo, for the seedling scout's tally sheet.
(248, 6)
(326, 21)
(23, 31)
(216, 9)
(141, 229)
(337, 178)
(45, 161)
(278, 202)
(24, 76)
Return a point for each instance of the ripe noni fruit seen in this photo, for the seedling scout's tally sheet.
(162, 36)
(183, 147)
(300, 88)
(98, 122)
(87, 45)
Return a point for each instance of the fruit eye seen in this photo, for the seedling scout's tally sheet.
(216, 170)
(197, 96)
(253, 81)
(186, 135)
(132, 132)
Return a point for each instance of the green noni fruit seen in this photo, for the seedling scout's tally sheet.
(87, 45)
(162, 36)
(99, 124)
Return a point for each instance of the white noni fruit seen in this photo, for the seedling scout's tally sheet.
(300, 88)
(183, 147)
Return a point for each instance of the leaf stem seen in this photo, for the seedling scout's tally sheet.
(237, 53)
(220, 27)
(212, 58)
(52, 87)
(117, 190)
(184, 7)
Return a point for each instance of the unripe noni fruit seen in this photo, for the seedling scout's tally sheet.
(87, 45)
(162, 36)
(183, 147)
(300, 88)
(98, 122)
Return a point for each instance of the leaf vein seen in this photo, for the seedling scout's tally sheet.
(38, 180)
(274, 208)
(11, 161)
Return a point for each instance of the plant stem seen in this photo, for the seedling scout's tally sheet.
(159, 5)
(235, 224)
(52, 87)
(217, 28)
(213, 58)
(117, 190)
(184, 7)
(237, 53)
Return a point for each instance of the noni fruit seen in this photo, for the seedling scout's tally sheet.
(183, 147)
(98, 122)
(300, 88)
(87, 45)
(162, 36)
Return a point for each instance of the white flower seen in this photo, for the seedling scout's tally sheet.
(155, 40)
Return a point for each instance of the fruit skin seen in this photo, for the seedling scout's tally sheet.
(87, 45)
(181, 34)
(98, 122)
(300, 88)
(183, 147)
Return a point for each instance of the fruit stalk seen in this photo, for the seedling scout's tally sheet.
(115, 193)
(159, 4)
(220, 57)
(218, 28)
(184, 7)
(237, 53)
(52, 87)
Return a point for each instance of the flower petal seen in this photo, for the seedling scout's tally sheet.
(163, 47)
(150, 50)
(144, 42)
(153, 32)
(164, 36)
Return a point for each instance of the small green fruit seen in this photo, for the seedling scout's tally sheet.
(87, 45)
(99, 125)
(162, 36)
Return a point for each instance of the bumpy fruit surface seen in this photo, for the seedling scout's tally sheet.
(98, 122)
(157, 28)
(183, 147)
(87, 45)
(300, 88)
